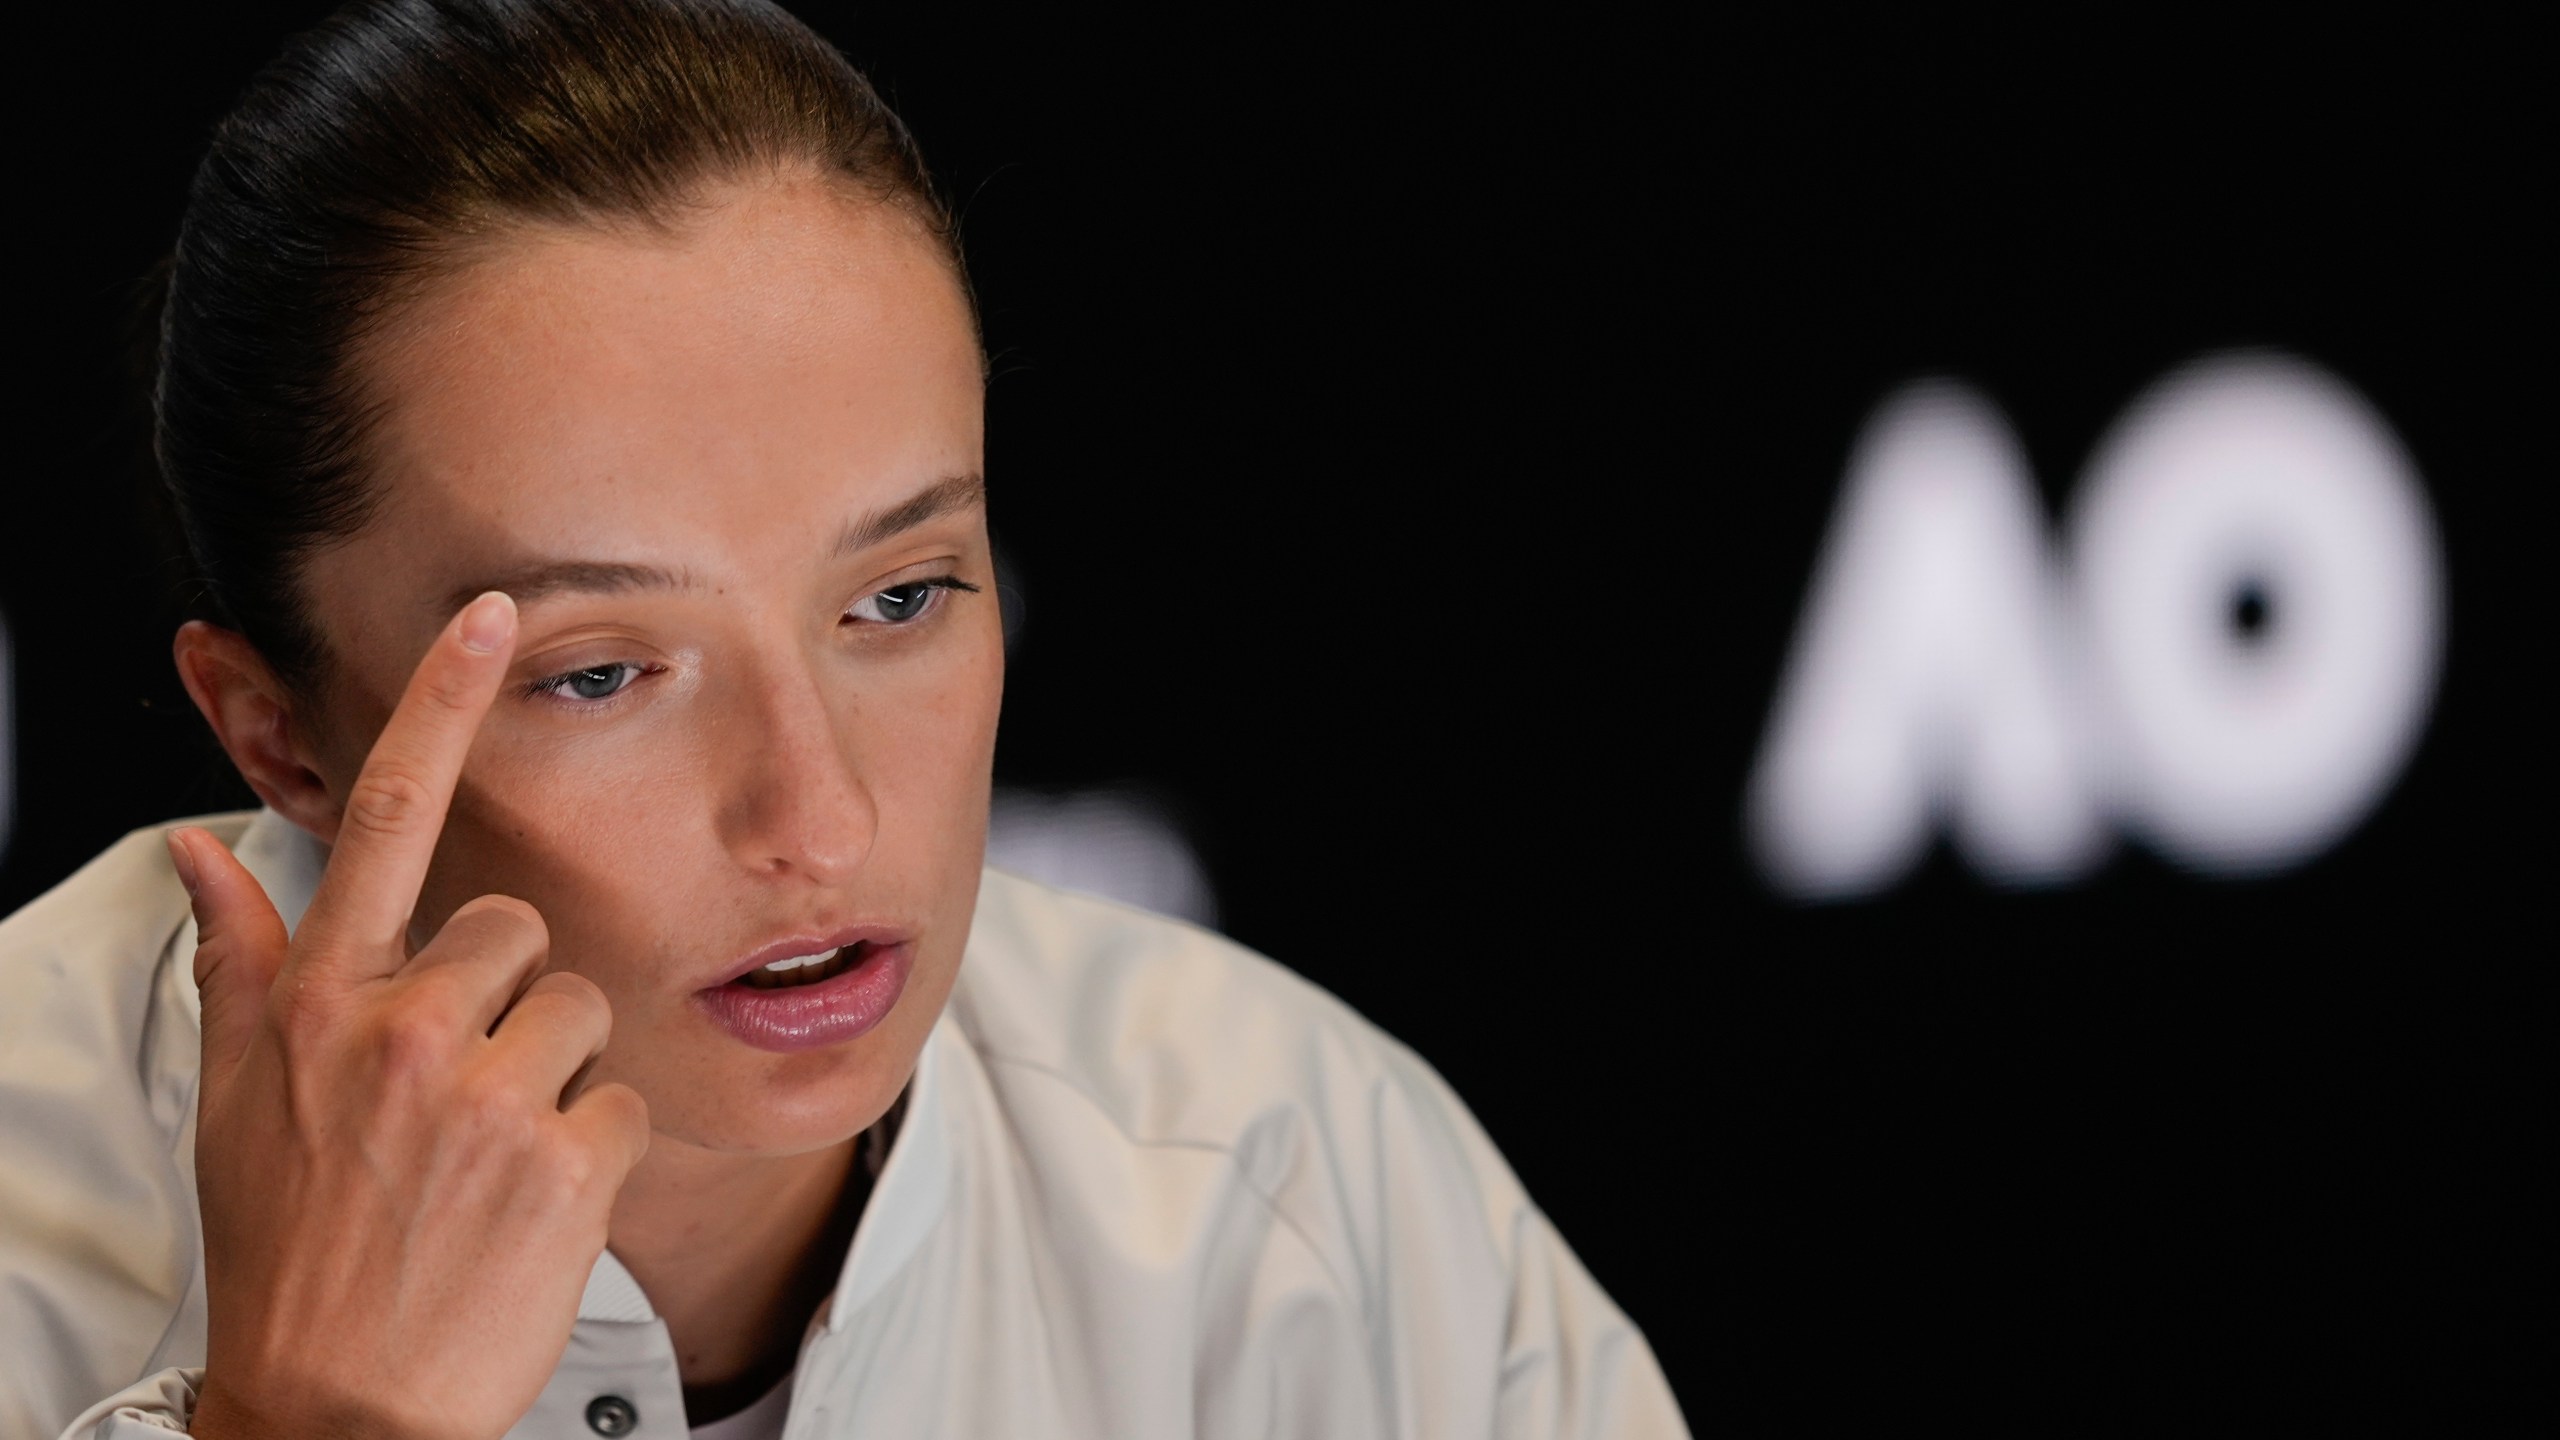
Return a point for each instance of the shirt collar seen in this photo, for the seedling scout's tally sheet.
(905, 1203)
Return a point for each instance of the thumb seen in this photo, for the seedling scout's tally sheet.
(240, 942)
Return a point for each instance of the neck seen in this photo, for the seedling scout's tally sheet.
(736, 1252)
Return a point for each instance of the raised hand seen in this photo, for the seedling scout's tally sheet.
(401, 1203)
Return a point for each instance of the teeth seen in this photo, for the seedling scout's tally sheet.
(798, 961)
(799, 970)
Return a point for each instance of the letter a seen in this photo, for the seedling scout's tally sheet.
(1931, 680)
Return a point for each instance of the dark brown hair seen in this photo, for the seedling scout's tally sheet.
(374, 151)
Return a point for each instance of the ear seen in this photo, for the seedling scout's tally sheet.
(253, 715)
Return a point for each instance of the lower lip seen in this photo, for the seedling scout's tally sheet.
(812, 1017)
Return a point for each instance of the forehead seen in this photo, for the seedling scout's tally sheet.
(783, 349)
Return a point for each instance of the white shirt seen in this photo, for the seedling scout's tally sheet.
(1147, 1184)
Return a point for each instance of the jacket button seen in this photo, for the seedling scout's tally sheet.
(611, 1415)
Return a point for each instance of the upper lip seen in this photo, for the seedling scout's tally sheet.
(808, 943)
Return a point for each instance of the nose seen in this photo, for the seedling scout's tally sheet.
(795, 803)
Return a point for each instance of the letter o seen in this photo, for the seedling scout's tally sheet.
(2232, 753)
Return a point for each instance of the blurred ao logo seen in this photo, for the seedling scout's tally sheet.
(2230, 657)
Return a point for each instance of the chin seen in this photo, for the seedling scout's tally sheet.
(777, 1119)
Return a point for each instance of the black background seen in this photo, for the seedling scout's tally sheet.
(1413, 439)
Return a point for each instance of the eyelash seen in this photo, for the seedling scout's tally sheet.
(556, 686)
(932, 596)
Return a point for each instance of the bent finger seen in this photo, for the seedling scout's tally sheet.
(558, 1027)
(612, 1121)
(483, 959)
(396, 808)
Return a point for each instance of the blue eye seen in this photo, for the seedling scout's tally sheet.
(904, 604)
(596, 682)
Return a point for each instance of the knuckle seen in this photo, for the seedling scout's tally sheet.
(387, 801)
(447, 689)
(210, 957)
(411, 1042)
(494, 1113)
(559, 1189)
(503, 1134)
(572, 1168)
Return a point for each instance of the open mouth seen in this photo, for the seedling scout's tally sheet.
(805, 969)
(816, 999)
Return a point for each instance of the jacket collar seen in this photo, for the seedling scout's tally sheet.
(906, 1202)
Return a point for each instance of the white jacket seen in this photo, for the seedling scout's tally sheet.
(1147, 1184)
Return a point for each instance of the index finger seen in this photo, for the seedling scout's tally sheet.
(396, 808)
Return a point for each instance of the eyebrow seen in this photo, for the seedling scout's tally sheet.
(947, 496)
(542, 579)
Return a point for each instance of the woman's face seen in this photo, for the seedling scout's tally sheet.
(730, 472)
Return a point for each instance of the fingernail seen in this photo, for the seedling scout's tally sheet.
(488, 621)
(185, 861)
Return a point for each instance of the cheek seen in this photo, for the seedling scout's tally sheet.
(930, 749)
(577, 829)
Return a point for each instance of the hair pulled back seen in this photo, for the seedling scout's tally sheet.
(371, 154)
